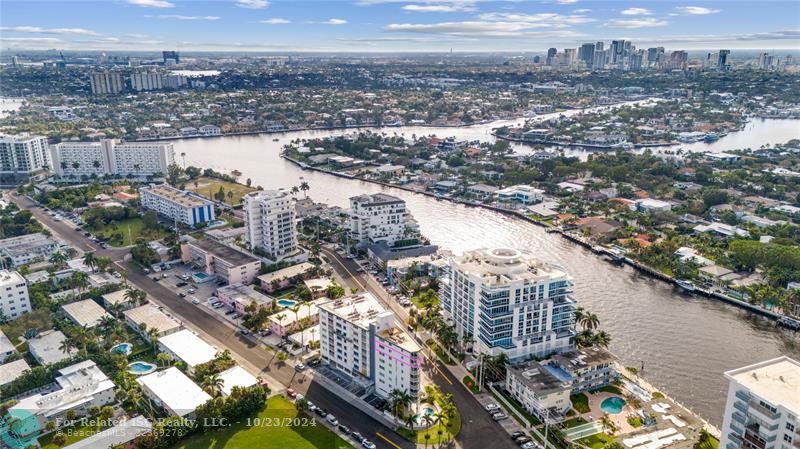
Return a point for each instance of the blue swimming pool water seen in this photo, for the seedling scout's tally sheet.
(420, 418)
(613, 406)
(286, 303)
(122, 348)
(140, 368)
(560, 374)
(200, 275)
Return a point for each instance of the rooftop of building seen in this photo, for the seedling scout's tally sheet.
(246, 292)
(175, 390)
(399, 338)
(288, 272)
(376, 199)
(504, 265)
(584, 358)
(85, 313)
(227, 253)
(45, 347)
(117, 297)
(182, 197)
(776, 381)
(153, 318)
(236, 376)
(269, 194)
(187, 346)
(536, 377)
(12, 370)
(5, 344)
(121, 433)
(26, 243)
(360, 309)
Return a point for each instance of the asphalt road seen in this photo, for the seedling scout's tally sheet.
(478, 430)
(225, 335)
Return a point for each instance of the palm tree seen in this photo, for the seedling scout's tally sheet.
(135, 296)
(90, 260)
(164, 359)
(106, 324)
(602, 339)
(590, 321)
(212, 384)
(580, 313)
(66, 346)
(80, 280)
(152, 333)
(304, 187)
(183, 155)
(230, 197)
(58, 258)
(96, 163)
(295, 190)
(409, 421)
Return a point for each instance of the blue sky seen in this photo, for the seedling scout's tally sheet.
(394, 25)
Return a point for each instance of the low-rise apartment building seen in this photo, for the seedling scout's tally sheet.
(229, 264)
(28, 248)
(14, 299)
(181, 206)
(381, 218)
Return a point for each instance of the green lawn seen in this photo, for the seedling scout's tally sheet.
(37, 319)
(438, 433)
(574, 422)
(580, 403)
(596, 441)
(208, 187)
(293, 430)
(130, 229)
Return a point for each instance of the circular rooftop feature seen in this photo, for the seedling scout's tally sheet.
(506, 254)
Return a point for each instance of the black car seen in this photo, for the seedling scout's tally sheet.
(182, 294)
(517, 434)
(522, 440)
(156, 278)
(344, 429)
(357, 436)
(321, 412)
(181, 284)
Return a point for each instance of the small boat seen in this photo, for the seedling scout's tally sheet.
(685, 285)
(791, 323)
(710, 137)
(276, 140)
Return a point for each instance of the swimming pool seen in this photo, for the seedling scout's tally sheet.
(287, 303)
(613, 405)
(200, 277)
(122, 348)
(140, 368)
(420, 418)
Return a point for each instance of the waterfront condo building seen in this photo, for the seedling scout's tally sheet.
(104, 83)
(359, 337)
(381, 218)
(22, 156)
(181, 206)
(763, 408)
(28, 248)
(509, 302)
(107, 157)
(14, 299)
(270, 223)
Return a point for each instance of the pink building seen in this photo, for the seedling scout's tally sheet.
(226, 262)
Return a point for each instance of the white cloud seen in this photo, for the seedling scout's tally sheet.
(441, 7)
(274, 21)
(581, 11)
(47, 40)
(40, 30)
(152, 3)
(696, 10)
(482, 29)
(334, 22)
(637, 12)
(252, 4)
(566, 2)
(181, 17)
(138, 35)
(636, 23)
(539, 20)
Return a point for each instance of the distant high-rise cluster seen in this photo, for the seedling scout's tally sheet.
(114, 82)
(623, 55)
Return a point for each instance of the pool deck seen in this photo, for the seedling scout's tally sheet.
(620, 419)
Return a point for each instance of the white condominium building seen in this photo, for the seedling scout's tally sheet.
(270, 222)
(104, 83)
(14, 299)
(77, 159)
(509, 302)
(146, 81)
(21, 156)
(380, 217)
(763, 408)
(359, 337)
(178, 205)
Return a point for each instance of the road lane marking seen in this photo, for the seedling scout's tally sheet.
(386, 439)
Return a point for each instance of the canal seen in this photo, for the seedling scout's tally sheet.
(684, 342)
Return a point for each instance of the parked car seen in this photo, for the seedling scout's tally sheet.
(357, 436)
(368, 444)
(320, 411)
(332, 419)
(291, 393)
(182, 294)
(491, 407)
(218, 305)
(191, 290)
(181, 284)
(244, 331)
(499, 416)
(517, 434)
(299, 367)
(195, 301)
(522, 440)
(344, 429)
(156, 278)
(266, 333)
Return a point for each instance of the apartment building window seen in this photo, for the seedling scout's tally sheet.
(787, 438)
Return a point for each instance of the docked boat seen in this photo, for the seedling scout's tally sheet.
(276, 140)
(791, 323)
(710, 137)
(687, 286)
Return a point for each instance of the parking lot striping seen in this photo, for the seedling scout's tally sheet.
(384, 438)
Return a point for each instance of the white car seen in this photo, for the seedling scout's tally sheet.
(492, 407)
(332, 419)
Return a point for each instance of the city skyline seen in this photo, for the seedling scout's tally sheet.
(394, 25)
